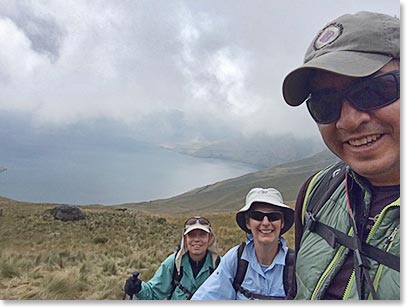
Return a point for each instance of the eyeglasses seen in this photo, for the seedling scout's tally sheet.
(272, 216)
(200, 220)
(368, 94)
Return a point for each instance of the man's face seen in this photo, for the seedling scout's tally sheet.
(367, 141)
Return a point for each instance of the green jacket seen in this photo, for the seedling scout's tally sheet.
(318, 263)
(159, 287)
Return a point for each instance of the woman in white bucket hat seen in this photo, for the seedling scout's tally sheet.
(264, 218)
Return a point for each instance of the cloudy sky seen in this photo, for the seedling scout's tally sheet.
(202, 66)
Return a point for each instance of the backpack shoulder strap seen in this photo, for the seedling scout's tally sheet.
(330, 181)
(217, 261)
(175, 279)
(289, 274)
(241, 268)
(327, 185)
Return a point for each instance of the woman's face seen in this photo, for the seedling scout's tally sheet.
(197, 242)
(265, 232)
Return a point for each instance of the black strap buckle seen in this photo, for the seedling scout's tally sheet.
(310, 220)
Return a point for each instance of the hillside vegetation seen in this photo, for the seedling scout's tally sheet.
(44, 258)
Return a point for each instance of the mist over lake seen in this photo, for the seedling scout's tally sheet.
(104, 162)
(96, 173)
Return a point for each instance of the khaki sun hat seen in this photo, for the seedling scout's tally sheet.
(269, 196)
(355, 45)
(202, 223)
(197, 222)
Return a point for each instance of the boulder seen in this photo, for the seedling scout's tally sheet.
(67, 213)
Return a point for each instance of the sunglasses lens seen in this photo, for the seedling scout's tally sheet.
(256, 215)
(325, 105)
(199, 220)
(259, 216)
(375, 93)
(203, 221)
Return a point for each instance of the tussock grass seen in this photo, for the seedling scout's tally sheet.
(9, 270)
(58, 285)
(45, 259)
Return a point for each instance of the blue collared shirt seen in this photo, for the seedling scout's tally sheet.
(268, 281)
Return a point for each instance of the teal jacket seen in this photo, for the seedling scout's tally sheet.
(159, 287)
(317, 262)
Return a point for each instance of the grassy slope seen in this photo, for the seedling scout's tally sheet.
(42, 258)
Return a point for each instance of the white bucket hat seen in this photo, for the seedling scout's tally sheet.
(269, 196)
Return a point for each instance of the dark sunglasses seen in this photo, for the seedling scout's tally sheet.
(199, 220)
(368, 94)
(272, 216)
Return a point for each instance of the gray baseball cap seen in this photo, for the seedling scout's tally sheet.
(355, 45)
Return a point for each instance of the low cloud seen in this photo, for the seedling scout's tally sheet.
(218, 66)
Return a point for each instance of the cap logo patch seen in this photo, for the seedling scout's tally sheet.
(328, 35)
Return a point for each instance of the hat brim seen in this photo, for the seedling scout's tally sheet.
(287, 212)
(197, 226)
(348, 63)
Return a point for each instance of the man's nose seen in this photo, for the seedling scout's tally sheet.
(351, 118)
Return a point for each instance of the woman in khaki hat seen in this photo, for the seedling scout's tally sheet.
(264, 218)
(184, 271)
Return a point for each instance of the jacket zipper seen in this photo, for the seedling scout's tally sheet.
(389, 242)
(328, 270)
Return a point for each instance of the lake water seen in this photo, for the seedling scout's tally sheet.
(106, 175)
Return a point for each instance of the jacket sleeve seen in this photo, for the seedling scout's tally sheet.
(158, 287)
(219, 285)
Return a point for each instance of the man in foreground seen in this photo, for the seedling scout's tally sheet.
(348, 215)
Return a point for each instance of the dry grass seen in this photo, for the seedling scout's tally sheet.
(45, 259)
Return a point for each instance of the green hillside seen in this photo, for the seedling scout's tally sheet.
(229, 195)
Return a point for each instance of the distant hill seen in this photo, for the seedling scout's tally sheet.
(229, 195)
(261, 150)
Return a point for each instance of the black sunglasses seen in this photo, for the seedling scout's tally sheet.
(272, 216)
(368, 94)
(199, 220)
